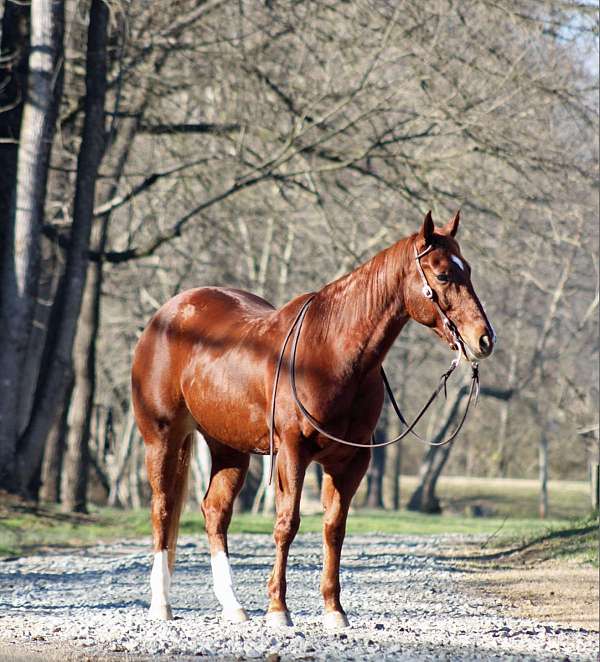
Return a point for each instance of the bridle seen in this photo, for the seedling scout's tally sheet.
(296, 326)
(428, 293)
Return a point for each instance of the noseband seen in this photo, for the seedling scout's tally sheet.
(429, 293)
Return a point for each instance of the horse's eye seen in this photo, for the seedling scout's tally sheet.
(442, 277)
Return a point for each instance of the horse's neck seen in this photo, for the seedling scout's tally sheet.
(364, 311)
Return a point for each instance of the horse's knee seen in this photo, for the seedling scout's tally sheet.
(286, 527)
(333, 533)
(215, 518)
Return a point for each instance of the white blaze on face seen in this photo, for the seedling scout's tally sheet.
(160, 580)
(223, 582)
(458, 261)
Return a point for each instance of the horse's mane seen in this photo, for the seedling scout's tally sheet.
(366, 292)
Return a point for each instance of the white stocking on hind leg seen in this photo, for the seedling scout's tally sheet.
(160, 583)
(168, 468)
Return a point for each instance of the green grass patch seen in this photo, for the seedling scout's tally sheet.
(576, 541)
(511, 505)
(28, 532)
(507, 497)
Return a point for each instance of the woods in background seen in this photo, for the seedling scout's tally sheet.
(150, 147)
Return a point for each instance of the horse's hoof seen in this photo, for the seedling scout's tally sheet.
(278, 618)
(235, 615)
(160, 613)
(334, 620)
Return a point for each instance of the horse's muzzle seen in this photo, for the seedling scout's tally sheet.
(486, 346)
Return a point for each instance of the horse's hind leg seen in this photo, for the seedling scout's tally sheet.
(227, 475)
(167, 462)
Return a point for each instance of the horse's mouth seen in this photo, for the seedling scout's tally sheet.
(471, 353)
(484, 351)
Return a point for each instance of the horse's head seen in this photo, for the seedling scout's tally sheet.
(439, 293)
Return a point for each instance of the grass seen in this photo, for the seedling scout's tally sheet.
(26, 528)
(507, 497)
(575, 541)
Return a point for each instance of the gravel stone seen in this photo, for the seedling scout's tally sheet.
(403, 601)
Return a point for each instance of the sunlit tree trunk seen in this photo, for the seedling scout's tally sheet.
(54, 383)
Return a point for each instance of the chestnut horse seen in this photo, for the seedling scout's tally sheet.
(207, 362)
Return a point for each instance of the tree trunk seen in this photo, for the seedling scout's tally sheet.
(14, 48)
(55, 382)
(200, 468)
(264, 497)
(263, 493)
(424, 499)
(374, 495)
(84, 354)
(251, 487)
(75, 474)
(21, 254)
(375, 479)
(511, 379)
(393, 464)
(135, 467)
(543, 474)
(119, 460)
(53, 456)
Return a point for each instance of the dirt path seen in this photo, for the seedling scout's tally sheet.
(551, 592)
(405, 601)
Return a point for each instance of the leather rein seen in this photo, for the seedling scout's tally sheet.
(296, 326)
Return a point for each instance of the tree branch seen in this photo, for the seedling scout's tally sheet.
(198, 127)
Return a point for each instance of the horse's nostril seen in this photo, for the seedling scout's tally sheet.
(485, 344)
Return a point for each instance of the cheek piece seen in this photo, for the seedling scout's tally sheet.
(428, 293)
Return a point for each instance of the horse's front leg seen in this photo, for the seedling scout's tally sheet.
(291, 468)
(339, 486)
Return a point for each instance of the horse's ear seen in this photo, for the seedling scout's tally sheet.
(451, 226)
(427, 230)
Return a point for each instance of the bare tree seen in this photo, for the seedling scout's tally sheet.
(276, 146)
(58, 375)
(21, 249)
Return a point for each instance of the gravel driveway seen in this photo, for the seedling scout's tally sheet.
(402, 601)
